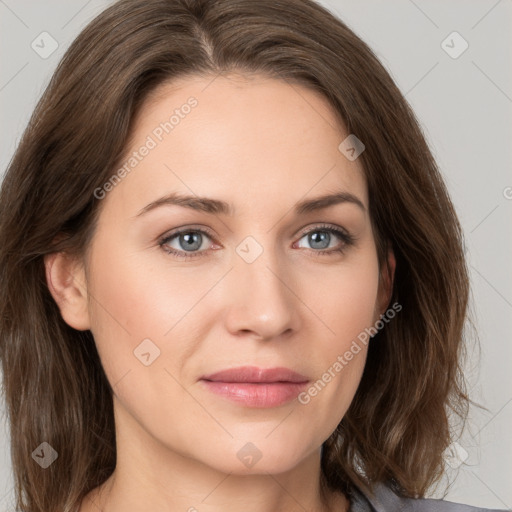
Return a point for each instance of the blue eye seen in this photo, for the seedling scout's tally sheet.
(191, 240)
(320, 237)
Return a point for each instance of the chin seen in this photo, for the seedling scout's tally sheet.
(257, 457)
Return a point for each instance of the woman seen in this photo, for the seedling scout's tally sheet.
(244, 276)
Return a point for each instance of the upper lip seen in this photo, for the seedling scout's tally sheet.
(255, 374)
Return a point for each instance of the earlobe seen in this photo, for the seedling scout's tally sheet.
(67, 284)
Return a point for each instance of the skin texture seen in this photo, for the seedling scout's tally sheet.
(261, 145)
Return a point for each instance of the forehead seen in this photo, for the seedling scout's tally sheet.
(255, 135)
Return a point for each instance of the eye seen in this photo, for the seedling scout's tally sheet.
(186, 243)
(320, 238)
(189, 240)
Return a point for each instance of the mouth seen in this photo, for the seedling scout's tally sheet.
(256, 387)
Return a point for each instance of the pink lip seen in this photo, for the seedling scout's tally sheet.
(256, 387)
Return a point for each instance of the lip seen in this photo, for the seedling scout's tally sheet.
(256, 375)
(256, 387)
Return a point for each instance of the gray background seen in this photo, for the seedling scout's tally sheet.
(464, 105)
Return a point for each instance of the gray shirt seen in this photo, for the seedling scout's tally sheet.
(385, 500)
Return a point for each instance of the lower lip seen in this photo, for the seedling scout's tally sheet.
(270, 394)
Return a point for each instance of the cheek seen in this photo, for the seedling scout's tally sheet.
(138, 293)
(346, 309)
(344, 298)
(131, 303)
(143, 304)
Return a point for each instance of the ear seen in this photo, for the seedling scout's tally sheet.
(66, 281)
(386, 280)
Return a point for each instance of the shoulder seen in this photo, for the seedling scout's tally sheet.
(385, 500)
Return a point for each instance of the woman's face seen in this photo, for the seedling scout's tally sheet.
(255, 288)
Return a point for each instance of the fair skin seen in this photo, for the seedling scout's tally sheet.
(262, 146)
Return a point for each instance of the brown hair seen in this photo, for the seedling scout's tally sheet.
(397, 426)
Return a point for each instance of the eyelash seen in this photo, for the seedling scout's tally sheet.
(347, 239)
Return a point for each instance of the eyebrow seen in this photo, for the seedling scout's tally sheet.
(216, 206)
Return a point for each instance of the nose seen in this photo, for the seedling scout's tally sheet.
(261, 299)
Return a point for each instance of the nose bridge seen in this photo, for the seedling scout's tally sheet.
(262, 301)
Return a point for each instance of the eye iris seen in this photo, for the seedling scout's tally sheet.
(192, 241)
(319, 237)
